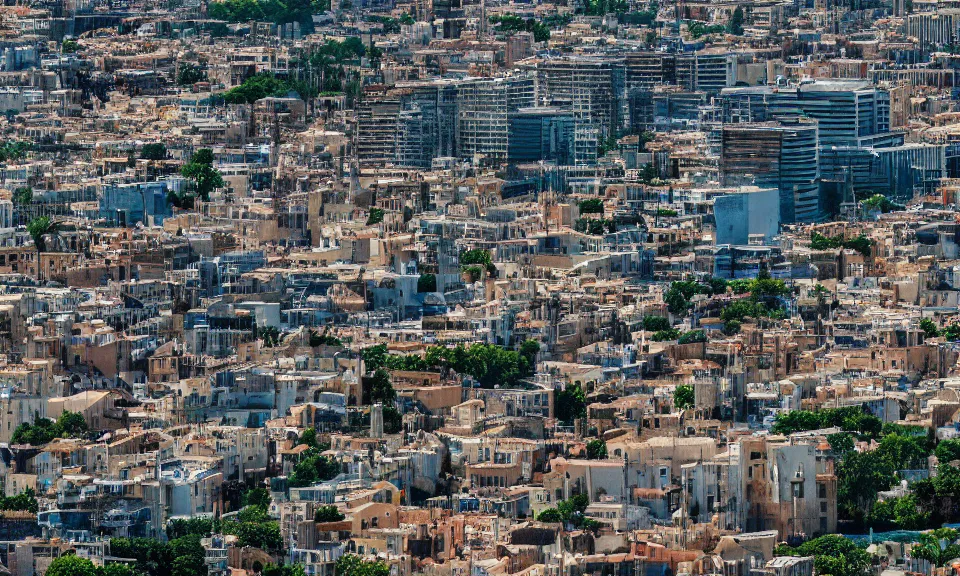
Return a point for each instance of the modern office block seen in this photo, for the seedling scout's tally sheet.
(484, 106)
(541, 134)
(777, 155)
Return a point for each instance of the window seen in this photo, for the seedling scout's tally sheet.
(822, 490)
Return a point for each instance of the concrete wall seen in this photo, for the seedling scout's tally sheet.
(741, 214)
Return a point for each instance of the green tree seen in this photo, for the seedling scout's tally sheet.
(323, 339)
(328, 514)
(731, 327)
(665, 335)
(154, 151)
(551, 515)
(116, 569)
(374, 357)
(25, 501)
(70, 46)
(427, 283)
(270, 336)
(259, 497)
(183, 526)
(692, 337)
(283, 570)
(309, 437)
(72, 565)
(510, 23)
(861, 243)
(832, 554)
(263, 535)
(13, 150)
(860, 475)
(353, 565)
(948, 450)
(821, 242)
(529, 350)
(590, 525)
(186, 566)
(880, 203)
(44, 430)
(71, 424)
(683, 396)
(938, 546)
(655, 323)
(767, 289)
(375, 217)
(951, 332)
(189, 73)
(902, 513)
(571, 510)
(929, 328)
(41, 227)
(904, 452)
(265, 10)
(200, 169)
(596, 450)
(304, 473)
(678, 295)
(570, 403)
(489, 364)
(717, 285)
(841, 443)
(850, 419)
(797, 421)
(740, 285)
(591, 206)
(253, 514)
(381, 390)
(392, 420)
(478, 256)
(698, 29)
(152, 556)
(735, 26)
(260, 86)
(23, 196)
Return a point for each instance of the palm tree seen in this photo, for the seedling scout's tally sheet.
(938, 546)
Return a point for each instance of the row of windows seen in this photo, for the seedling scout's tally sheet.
(487, 481)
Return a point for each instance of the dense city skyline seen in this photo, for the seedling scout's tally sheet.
(479, 288)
